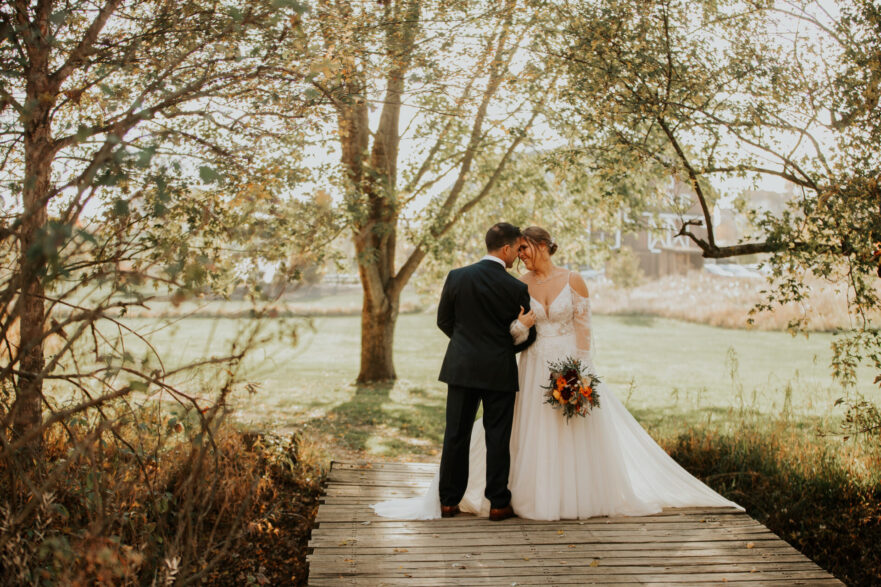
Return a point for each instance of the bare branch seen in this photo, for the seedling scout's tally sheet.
(695, 183)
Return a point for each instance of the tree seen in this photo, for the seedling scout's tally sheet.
(99, 105)
(564, 190)
(723, 89)
(143, 149)
(458, 74)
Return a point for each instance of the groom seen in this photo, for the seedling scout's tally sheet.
(477, 306)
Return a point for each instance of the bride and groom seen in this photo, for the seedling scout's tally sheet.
(522, 457)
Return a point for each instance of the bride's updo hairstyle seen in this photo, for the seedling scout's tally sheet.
(537, 235)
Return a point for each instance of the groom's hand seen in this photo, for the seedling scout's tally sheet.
(527, 319)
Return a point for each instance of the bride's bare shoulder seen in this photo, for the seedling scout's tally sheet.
(527, 277)
(576, 282)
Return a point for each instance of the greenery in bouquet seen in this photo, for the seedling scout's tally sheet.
(571, 388)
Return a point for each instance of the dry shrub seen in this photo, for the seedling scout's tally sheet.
(722, 301)
(158, 499)
(820, 494)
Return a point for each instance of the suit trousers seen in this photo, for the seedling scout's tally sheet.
(498, 417)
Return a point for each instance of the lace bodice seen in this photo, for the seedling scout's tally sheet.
(565, 321)
(557, 318)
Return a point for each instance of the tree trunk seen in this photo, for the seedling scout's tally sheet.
(27, 409)
(378, 319)
(375, 235)
(38, 145)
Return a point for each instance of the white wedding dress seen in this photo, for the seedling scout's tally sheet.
(604, 464)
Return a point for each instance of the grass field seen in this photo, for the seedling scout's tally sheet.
(671, 374)
(739, 409)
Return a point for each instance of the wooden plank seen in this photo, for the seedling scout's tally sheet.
(519, 581)
(342, 476)
(534, 538)
(664, 517)
(479, 525)
(511, 559)
(584, 565)
(684, 546)
(383, 466)
(356, 477)
(512, 540)
(330, 528)
(635, 549)
(586, 573)
(668, 541)
(429, 576)
(372, 491)
(362, 512)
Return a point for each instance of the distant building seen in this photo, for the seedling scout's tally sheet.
(661, 252)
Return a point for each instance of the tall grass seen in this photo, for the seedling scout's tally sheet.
(822, 495)
(696, 297)
(722, 301)
(151, 496)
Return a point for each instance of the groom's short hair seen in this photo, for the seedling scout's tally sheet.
(501, 234)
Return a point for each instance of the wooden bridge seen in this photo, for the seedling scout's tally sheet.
(691, 546)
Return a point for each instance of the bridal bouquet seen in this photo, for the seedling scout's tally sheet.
(571, 388)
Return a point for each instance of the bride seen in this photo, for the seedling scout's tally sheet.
(601, 465)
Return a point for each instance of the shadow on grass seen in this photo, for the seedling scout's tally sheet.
(371, 421)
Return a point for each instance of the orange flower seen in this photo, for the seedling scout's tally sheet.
(557, 395)
(586, 391)
(561, 382)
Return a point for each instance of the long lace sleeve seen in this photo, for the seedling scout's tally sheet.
(519, 332)
(581, 320)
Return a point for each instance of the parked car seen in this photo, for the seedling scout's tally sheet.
(732, 270)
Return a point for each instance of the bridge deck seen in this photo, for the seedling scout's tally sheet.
(687, 546)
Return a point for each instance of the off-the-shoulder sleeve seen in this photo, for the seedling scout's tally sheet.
(581, 306)
(519, 332)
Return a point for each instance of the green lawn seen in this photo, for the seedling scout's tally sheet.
(669, 373)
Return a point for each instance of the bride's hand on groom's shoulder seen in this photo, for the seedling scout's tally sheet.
(526, 318)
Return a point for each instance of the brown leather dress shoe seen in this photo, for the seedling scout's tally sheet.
(499, 514)
(448, 511)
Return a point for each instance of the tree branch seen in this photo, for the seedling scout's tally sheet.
(412, 263)
(695, 184)
(85, 46)
(500, 64)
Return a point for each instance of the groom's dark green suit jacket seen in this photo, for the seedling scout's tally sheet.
(477, 306)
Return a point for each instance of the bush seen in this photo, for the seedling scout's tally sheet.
(159, 499)
(624, 270)
(726, 302)
(824, 498)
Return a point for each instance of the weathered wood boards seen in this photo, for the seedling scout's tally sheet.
(686, 546)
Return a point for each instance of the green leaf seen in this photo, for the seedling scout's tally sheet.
(59, 17)
(120, 207)
(145, 157)
(208, 174)
(83, 132)
(298, 7)
(138, 385)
